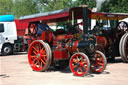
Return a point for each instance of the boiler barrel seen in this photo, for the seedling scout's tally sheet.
(87, 47)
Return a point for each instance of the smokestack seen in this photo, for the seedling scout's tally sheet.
(98, 4)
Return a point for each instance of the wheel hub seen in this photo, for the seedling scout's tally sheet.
(78, 64)
(38, 55)
(7, 50)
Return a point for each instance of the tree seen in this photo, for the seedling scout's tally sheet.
(90, 3)
(115, 6)
(6, 6)
(24, 7)
(50, 5)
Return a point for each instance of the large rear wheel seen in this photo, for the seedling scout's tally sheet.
(39, 56)
(79, 64)
(125, 47)
(120, 47)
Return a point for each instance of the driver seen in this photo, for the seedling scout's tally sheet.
(42, 26)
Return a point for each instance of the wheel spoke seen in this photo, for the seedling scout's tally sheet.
(36, 62)
(74, 60)
(82, 59)
(99, 63)
(42, 50)
(101, 59)
(34, 52)
(35, 49)
(74, 66)
(33, 61)
(44, 55)
(40, 63)
(77, 59)
(33, 56)
(81, 70)
(85, 67)
(77, 70)
(43, 61)
(39, 46)
(85, 62)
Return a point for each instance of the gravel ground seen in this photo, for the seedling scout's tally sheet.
(15, 70)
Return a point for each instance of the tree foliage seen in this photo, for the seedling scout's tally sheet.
(50, 5)
(28, 7)
(6, 6)
(90, 3)
(24, 7)
(18, 7)
(115, 6)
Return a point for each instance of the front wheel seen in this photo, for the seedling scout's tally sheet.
(99, 62)
(79, 64)
(7, 49)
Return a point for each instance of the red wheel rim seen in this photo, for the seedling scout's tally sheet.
(98, 64)
(37, 56)
(79, 65)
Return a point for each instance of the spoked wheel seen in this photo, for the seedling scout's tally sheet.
(120, 48)
(79, 64)
(98, 64)
(39, 56)
(124, 48)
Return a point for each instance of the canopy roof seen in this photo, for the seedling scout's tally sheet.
(108, 16)
(67, 14)
(54, 16)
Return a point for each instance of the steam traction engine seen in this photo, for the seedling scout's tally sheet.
(114, 42)
(63, 49)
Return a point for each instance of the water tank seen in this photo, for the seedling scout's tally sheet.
(6, 18)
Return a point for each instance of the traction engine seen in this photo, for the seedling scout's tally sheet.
(62, 50)
(114, 42)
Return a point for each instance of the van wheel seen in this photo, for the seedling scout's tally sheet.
(7, 50)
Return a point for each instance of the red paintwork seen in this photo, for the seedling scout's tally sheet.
(21, 27)
(61, 54)
(101, 40)
(75, 45)
(47, 36)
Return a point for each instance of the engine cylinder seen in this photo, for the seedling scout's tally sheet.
(84, 46)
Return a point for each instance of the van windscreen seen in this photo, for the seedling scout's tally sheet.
(1, 28)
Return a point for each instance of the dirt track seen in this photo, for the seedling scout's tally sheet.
(15, 70)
